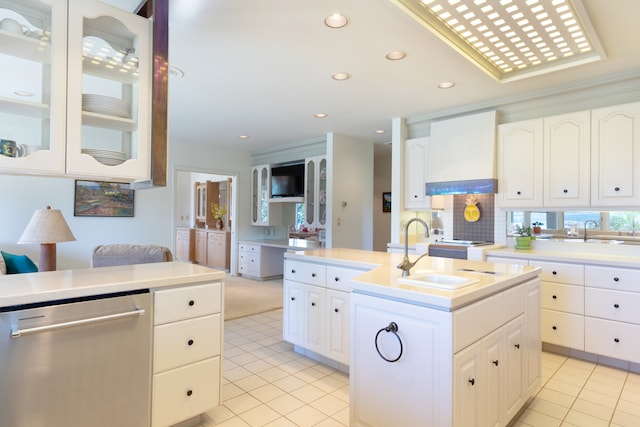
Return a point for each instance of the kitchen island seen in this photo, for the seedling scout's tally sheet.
(420, 355)
(137, 345)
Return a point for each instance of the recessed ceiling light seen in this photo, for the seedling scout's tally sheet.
(396, 55)
(23, 93)
(446, 85)
(336, 20)
(379, 131)
(511, 40)
(244, 136)
(340, 76)
(320, 115)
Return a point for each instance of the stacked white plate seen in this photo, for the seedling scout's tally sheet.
(106, 157)
(107, 105)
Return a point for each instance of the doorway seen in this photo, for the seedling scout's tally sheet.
(185, 203)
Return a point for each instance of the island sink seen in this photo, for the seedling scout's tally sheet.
(437, 280)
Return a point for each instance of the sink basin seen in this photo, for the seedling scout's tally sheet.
(437, 280)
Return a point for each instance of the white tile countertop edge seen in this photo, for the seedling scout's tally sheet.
(17, 289)
(382, 276)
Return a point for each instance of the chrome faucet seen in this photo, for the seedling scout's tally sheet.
(585, 227)
(406, 265)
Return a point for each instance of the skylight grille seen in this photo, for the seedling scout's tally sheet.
(511, 39)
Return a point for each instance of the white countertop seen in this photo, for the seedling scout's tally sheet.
(293, 244)
(577, 252)
(29, 288)
(383, 276)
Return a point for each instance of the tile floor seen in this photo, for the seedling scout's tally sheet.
(267, 384)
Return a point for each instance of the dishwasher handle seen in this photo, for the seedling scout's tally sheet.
(16, 332)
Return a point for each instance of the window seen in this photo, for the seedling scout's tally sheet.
(614, 222)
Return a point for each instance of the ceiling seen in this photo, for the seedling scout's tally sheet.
(263, 69)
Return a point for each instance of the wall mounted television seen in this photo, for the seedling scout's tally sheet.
(287, 181)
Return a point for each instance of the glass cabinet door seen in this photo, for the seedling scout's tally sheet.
(264, 195)
(254, 195)
(322, 191)
(109, 57)
(310, 191)
(33, 43)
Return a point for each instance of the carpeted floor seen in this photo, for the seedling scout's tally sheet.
(244, 297)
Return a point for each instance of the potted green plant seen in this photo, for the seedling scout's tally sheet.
(537, 227)
(523, 237)
(218, 212)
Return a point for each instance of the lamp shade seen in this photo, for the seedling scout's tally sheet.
(47, 226)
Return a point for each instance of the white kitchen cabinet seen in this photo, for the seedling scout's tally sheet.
(98, 124)
(612, 323)
(316, 308)
(567, 145)
(219, 249)
(187, 367)
(615, 155)
(415, 164)
(316, 197)
(185, 244)
(263, 213)
(481, 380)
(260, 262)
(520, 159)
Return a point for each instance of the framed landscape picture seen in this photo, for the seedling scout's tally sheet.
(102, 198)
(386, 202)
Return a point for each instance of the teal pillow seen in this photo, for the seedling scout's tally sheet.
(18, 263)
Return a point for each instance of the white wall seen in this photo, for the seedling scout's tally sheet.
(350, 184)
(154, 208)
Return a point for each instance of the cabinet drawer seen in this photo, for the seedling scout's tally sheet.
(612, 305)
(613, 339)
(563, 329)
(570, 274)
(305, 272)
(187, 302)
(621, 279)
(185, 392)
(244, 247)
(338, 277)
(212, 235)
(476, 320)
(179, 343)
(567, 298)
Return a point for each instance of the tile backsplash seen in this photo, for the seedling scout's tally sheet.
(483, 229)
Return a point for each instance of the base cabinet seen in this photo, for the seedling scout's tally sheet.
(475, 366)
(316, 309)
(187, 352)
(260, 262)
(185, 244)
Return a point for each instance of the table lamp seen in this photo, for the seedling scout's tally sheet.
(47, 227)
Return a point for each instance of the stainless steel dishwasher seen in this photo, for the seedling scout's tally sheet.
(77, 362)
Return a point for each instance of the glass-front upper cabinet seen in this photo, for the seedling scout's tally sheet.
(109, 93)
(322, 191)
(33, 86)
(310, 191)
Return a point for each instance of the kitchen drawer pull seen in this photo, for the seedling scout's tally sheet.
(616, 305)
(190, 342)
(518, 193)
(313, 274)
(565, 191)
(337, 279)
(472, 381)
(616, 279)
(616, 339)
(517, 346)
(554, 272)
(554, 328)
(554, 297)
(189, 392)
(17, 332)
(393, 328)
(192, 303)
(336, 310)
(617, 189)
(495, 362)
(313, 304)
(293, 271)
(293, 298)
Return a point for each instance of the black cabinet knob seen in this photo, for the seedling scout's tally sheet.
(517, 346)
(191, 303)
(189, 392)
(190, 342)
(337, 279)
(616, 339)
(554, 272)
(495, 362)
(472, 381)
(293, 272)
(554, 297)
(617, 189)
(565, 191)
(293, 298)
(518, 193)
(336, 310)
(313, 304)
(616, 305)
(554, 328)
(616, 279)
(313, 274)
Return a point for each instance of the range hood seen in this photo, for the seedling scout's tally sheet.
(461, 155)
